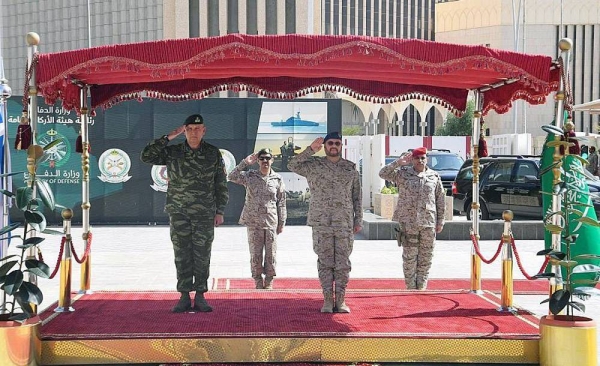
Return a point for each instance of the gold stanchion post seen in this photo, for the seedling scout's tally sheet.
(506, 298)
(64, 299)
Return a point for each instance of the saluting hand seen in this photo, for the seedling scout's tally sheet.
(404, 159)
(176, 132)
(251, 159)
(317, 144)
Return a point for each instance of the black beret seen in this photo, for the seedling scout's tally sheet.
(265, 151)
(332, 136)
(194, 119)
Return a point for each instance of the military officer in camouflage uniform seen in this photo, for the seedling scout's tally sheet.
(420, 212)
(196, 199)
(264, 213)
(335, 214)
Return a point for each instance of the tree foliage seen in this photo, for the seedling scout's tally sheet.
(352, 130)
(458, 126)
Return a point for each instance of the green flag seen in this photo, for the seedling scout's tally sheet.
(588, 240)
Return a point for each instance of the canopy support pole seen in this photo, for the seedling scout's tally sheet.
(475, 260)
(564, 45)
(32, 49)
(86, 266)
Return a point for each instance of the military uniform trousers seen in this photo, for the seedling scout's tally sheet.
(263, 251)
(333, 247)
(192, 243)
(417, 255)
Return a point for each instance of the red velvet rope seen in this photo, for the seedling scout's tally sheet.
(60, 254)
(476, 246)
(88, 247)
(512, 242)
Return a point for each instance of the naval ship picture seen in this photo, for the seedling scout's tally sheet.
(292, 118)
(294, 121)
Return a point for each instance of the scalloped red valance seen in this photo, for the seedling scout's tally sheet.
(381, 70)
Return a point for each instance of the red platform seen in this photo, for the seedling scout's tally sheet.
(387, 324)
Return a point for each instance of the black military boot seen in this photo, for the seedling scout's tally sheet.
(258, 282)
(268, 283)
(200, 303)
(184, 304)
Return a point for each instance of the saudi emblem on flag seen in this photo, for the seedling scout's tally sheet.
(581, 217)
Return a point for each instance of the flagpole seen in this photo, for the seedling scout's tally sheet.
(5, 182)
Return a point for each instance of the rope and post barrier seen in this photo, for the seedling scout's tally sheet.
(64, 298)
(508, 248)
(506, 297)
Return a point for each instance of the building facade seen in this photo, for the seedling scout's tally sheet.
(540, 24)
(72, 24)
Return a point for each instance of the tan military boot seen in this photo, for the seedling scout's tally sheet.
(268, 283)
(328, 303)
(340, 304)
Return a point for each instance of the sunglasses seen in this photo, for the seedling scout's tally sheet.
(264, 158)
(420, 157)
(331, 143)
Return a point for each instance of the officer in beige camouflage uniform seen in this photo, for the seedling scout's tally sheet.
(264, 213)
(335, 214)
(196, 199)
(420, 212)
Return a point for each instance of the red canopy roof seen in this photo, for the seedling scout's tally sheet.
(381, 70)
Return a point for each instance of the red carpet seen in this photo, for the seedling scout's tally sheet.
(284, 313)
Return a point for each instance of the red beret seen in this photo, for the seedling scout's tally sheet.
(419, 151)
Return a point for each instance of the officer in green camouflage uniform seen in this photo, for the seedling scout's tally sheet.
(335, 214)
(264, 213)
(420, 212)
(196, 199)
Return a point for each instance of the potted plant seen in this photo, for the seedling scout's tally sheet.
(567, 338)
(385, 201)
(19, 324)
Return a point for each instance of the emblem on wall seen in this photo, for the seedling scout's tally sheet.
(160, 178)
(58, 154)
(114, 165)
(229, 160)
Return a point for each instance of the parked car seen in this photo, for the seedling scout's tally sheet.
(445, 163)
(507, 183)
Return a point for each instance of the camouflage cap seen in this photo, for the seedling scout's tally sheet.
(194, 119)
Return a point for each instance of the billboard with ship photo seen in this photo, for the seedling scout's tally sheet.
(293, 118)
(289, 127)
